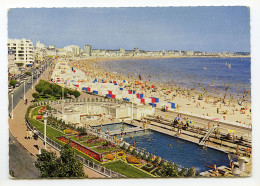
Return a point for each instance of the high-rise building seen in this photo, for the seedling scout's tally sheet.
(74, 49)
(88, 49)
(23, 50)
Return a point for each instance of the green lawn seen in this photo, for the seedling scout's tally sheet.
(51, 133)
(103, 150)
(82, 139)
(127, 170)
(92, 144)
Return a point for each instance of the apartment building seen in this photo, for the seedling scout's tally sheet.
(23, 50)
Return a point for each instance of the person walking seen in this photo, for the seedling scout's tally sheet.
(30, 134)
(27, 134)
(35, 134)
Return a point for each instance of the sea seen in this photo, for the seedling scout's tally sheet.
(199, 73)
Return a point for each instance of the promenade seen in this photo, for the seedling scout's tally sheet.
(18, 127)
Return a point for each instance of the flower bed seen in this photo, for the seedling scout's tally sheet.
(83, 137)
(103, 149)
(132, 160)
(38, 117)
(94, 142)
(109, 156)
(148, 167)
(42, 110)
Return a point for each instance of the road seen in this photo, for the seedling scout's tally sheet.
(19, 93)
(21, 162)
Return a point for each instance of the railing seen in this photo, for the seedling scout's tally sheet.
(207, 135)
(90, 164)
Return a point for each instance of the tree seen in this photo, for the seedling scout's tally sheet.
(156, 160)
(66, 166)
(71, 166)
(189, 173)
(182, 172)
(19, 64)
(76, 93)
(12, 82)
(39, 88)
(169, 171)
(47, 90)
(48, 164)
(150, 158)
(35, 95)
(28, 73)
(70, 92)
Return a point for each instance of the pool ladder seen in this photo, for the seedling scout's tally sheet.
(202, 142)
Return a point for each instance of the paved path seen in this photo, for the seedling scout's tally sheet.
(18, 127)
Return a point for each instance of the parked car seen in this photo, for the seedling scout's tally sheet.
(10, 88)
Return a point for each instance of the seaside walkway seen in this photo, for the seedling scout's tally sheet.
(18, 127)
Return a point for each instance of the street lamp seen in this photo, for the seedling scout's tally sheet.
(132, 101)
(45, 126)
(32, 79)
(63, 99)
(12, 95)
(24, 90)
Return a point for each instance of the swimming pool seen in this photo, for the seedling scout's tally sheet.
(182, 152)
(114, 127)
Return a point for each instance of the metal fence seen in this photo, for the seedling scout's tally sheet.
(90, 164)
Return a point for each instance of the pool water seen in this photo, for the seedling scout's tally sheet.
(114, 127)
(183, 153)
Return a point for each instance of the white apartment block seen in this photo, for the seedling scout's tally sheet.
(23, 49)
(74, 49)
(40, 51)
(12, 68)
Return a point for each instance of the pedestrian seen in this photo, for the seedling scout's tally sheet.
(35, 135)
(232, 166)
(193, 171)
(27, 134)
(30, 134)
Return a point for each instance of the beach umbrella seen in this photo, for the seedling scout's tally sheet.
(190, 122)
(231, 131)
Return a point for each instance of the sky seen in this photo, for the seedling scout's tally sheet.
(210, 29)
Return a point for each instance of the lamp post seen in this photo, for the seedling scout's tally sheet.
(24, 90)
(32, 79)
(63, 100)
(45, 126)
(133, 102)
(12, 95)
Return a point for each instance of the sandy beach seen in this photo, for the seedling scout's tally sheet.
(186, 99)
